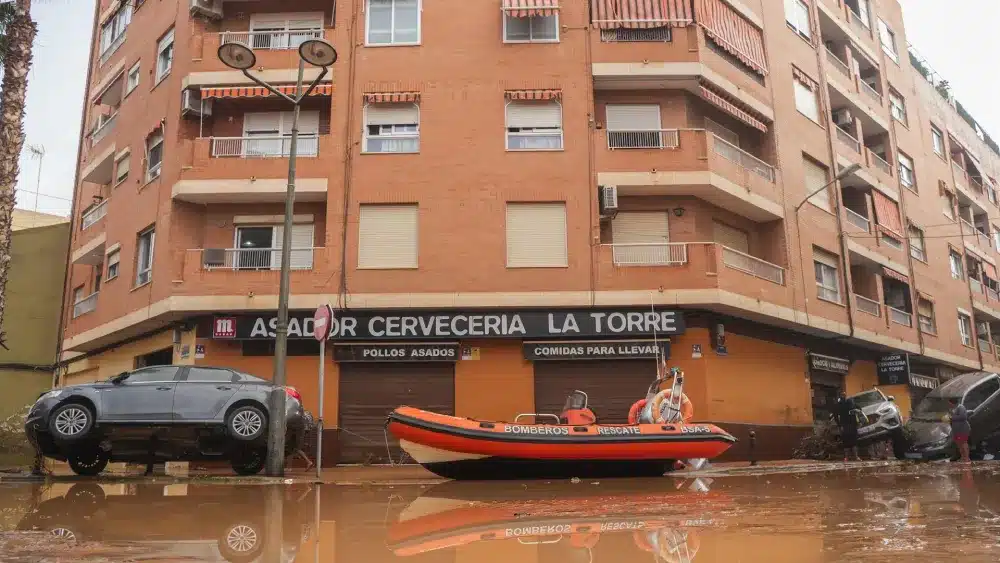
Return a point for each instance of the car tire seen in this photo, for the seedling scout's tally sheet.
(71, 422)
(246, 423)
(88, 462)
(85, 493)
(241, 542)
(249, 462)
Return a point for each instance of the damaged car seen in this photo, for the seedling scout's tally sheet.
(929, 429)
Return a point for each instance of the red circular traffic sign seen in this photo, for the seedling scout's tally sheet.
(322, 319)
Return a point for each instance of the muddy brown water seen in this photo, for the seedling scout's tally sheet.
(931, 512)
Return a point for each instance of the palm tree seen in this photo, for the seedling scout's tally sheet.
(17, 33)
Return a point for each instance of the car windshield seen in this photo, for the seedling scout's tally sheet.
(868, 398)
(932, 408)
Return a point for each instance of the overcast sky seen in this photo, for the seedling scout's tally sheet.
(945, 36)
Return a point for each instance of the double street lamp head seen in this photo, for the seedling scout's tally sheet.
(317, 52)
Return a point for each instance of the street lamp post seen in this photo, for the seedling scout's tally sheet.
(318, 53)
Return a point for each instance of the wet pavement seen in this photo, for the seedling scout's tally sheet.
(900, 512)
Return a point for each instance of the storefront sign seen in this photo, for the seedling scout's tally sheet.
(396, 352)
(405, 325)
(613, 350)
(893, 369)
(829, 363)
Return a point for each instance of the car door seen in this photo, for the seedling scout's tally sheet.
(145, 395)
(203, 393)
(984, 408)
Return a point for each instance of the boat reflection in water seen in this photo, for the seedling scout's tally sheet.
(563, 525)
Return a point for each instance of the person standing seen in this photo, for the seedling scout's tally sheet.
(960, 428)
(847, 420)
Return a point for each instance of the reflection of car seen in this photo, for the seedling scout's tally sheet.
(202, 523)
(881, 413)
(161, 413)
(931, 434)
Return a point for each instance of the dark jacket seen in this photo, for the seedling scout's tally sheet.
(846, 414)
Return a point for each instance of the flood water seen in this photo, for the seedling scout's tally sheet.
(930, 512)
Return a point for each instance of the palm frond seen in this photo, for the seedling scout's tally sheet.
(7, 11)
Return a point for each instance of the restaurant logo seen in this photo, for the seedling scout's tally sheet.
(224, 327)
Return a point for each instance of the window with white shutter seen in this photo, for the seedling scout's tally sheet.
(536, 235)
(640, 239)
(284, 31)
(387, 236)
(302, 247)
(633, 126)
(816, 177)
(268, 134)
(534, 125)
(392, 128)
(734, 238)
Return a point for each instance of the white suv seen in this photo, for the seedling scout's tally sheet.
(882, 415)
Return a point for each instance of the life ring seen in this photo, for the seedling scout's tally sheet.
(633, 413)
(687, 409)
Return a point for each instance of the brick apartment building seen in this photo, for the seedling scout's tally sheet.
(506, 199)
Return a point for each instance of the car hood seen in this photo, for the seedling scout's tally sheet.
(928, 432)
(872, 409)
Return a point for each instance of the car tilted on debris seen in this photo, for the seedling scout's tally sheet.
(162, 413)
(931, 432)
(882, 417)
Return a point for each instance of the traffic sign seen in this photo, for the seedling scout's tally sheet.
(321, 322)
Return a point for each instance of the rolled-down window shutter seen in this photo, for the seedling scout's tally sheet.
(387, 236)
(730, 236)
(302, 245)
(315, 22)
(308, 122)
(262, 123)
(277, 239)
(633, 117)
(527, 115)
(640, 227)
(536, 235)
(392, 114)
(824, 257)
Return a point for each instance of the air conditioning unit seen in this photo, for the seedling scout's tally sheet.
(208, 8)
(843, 117)
(191, 103)
(608, 196)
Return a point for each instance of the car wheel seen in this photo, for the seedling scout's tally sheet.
(242, 541)
(86, 493)
(71, 422)
(249, 462)
(88, 462)
(246, 423)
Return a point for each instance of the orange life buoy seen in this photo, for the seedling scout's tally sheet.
(633, 413)
(687, 409)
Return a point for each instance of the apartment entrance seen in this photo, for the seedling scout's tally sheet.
(826, 381)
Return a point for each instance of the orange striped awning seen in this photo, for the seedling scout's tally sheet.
(731, 108)
(529, 8)
(804, 79)
(890, 273)
(991, 271)
(533, 94)
(260, 91)
(734, 33)
(641, 14)
(887, 214)
(391, 97)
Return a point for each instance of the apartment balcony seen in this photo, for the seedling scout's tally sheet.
(270, 40)
(867, 306)
(880, 165)
(649, 254)
(241, 271)
(698, 164)
(844, 97)
(90, 252)
(86, 305)
(255, 259)
(856, 221)
(251, 169)
(105, 125)
(840, 22)
(274, 51)
(850, 147)
(93, 215)
(878, 322)
(976, 241)
(99, 165)
(839, 65)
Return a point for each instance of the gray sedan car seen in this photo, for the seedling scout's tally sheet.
(162, 413)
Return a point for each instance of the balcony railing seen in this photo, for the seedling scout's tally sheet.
(651, 139)
(660, 33)
(858, 220)
(848, 140)
(992, 293)
(103, 128)
(649, 254)
(976, 285)
(871, 92)
(900, 317)
(870, 306)
(960, 176)
(859, 23)
(272, 40)
(112, 48)
(839, 64)
(880, 163)
(984, 239)
(977, 184)
(85, 305)
(255, 258)
(752, 265)
(93, 215)
(263, 147)
(731, 152)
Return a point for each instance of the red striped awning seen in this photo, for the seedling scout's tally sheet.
(391, 97)
(731, 108)
(887, 213)
(890, 273)
(641, 14)
(533, 94)
(734, 33)
(529, 8)
(805, 79)
(260, 91)
(991, 271)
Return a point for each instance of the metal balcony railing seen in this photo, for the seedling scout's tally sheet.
(731, 152)
(85, 305)
(255, 258)
(263, 147)
(752, 265)
(649, 139)
(900, 317)
(858, 220)
(651, 34)
(93, 215)
(880, 163)
(272, 40)
(649, 254)
(870, 306)
(848, 140)
(838, 63)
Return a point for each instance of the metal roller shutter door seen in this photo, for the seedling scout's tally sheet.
(368, 392)
(611, 386)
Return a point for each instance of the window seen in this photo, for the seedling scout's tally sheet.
(393, 22)
(888, 40)
(536, 235)
(144, 257)
(283, 31)
(897, 106)
(113, 264)
(121, 168)
(906, 175)
(78, 294)
(212, 375)
(797, 16)
(387, 236)
(259, 248)
(392, 128)
(806, 101)
(949, 204)
(965, 329)
(925, 316)
(113, 31)
(827, 281)
(890, 240)
(937, 139)
(154, 156)
(980, 393)
(269, 134)
(534, 126)
(955, 260)
(639, 238)
(917, 244)
(537, 28)
(132, 79)
(154, 374)
(996, 237)
(636, 126)
(164, 55)
(817, 177)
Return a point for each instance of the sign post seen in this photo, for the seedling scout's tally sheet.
(321, 330)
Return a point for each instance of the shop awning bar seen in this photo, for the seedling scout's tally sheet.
(641, 14)
(260, 92)
(530, 8)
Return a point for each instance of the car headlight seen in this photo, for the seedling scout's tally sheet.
(885, 410)
(51, 394)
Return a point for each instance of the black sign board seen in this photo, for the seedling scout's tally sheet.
(365, 325)
(893, 369)
(829, 363)
(445, 352)
(602, 350)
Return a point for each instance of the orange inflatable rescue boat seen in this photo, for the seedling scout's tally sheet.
(575, 444)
